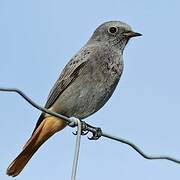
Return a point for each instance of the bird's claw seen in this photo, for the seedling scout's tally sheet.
(86, 128)
(83, 133)
(96, 134)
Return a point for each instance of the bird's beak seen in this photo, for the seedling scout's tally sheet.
(130, 34)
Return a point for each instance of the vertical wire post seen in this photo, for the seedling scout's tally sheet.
(77, 148)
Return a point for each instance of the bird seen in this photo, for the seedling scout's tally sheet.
(84, 86)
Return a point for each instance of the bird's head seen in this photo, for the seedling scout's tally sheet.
(114, 33)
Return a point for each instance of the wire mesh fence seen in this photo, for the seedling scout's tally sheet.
(83, 129)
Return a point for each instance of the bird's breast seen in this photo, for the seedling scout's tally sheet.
(91, 89)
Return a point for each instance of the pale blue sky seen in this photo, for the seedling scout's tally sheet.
(38, 37)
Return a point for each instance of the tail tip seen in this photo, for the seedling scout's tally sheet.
(11, 172)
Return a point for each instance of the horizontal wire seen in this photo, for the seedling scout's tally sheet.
(136, 148)
(73, 123)
(30, 101)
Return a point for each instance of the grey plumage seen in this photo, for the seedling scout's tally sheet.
(91, 76)
(84, 86)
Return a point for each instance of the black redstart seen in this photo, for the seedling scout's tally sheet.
(84, 86)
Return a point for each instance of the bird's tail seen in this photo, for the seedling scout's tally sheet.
(45, 130)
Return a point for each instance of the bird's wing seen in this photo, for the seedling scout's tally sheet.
(68, 75)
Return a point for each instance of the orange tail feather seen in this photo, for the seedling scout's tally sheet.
(46, 129)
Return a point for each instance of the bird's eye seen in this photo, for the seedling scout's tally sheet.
(113, 30)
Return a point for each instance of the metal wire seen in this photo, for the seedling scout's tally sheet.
(73, 122)
(138, 149)
(77, 148)
(30, 101)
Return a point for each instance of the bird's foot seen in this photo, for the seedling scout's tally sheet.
(86, 128)
(96, 134)
(83, 126)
